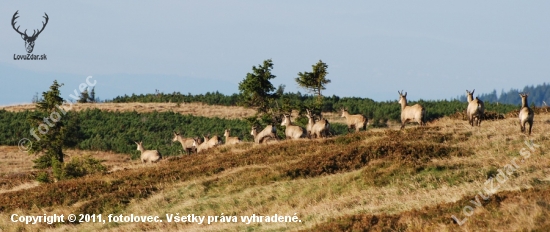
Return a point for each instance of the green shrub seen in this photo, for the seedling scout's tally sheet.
(43, 177)
(80, 166)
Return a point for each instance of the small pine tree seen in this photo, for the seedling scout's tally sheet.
(84, 97)
(36, 98)
(316, 80)
(256, 89)
(92, 98)
(51, 131)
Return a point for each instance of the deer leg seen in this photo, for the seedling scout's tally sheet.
(522, 126)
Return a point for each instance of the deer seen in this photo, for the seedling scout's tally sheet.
(475, 110)
(526, 114)
(318, 129)
(207, 144)
(29, 40)
(230, 140)
(292, 131)
(356, 121)
(269, 131)
(186, 143)
(415, 113)
(151, 156)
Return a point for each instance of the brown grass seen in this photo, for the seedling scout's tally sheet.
(16, 170)
(381, 179)
(196, 109)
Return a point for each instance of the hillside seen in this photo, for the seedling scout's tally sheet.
(383, 179)
(194, 108)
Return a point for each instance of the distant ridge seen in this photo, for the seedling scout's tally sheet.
(537, 95)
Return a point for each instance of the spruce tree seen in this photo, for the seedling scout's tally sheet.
(49, 131)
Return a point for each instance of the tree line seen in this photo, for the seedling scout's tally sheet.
(538, 96)
(257, 91)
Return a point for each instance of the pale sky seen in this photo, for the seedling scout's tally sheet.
(430, 49)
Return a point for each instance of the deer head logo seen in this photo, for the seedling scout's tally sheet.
(29, 40)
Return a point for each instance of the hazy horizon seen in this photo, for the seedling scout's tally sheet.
(430, 49)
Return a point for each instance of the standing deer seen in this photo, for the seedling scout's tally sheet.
(269, 131)
(415, 113)
(475, 110)
(292, 131)
(207, 144)
(526, 114)
(29, 40)
(186, 143)
(356, 121)
(230, 140)
(148, 155)
(318, 129)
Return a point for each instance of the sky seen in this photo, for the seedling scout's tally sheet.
(431, 49)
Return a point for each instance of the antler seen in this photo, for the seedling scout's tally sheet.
(43, 26)
(13, 22)
(35, 33)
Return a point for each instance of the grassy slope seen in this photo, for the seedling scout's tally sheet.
(193, 108)
(383, 179)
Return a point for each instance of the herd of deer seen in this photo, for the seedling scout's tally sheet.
(319, 129)
(476, 111)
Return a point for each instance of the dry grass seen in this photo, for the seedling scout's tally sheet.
(196, 109)
(383, 179)
(16, 170)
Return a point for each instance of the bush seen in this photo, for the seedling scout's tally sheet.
(43, 177)
(82, 165)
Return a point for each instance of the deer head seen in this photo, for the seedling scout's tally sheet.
(29, 40)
